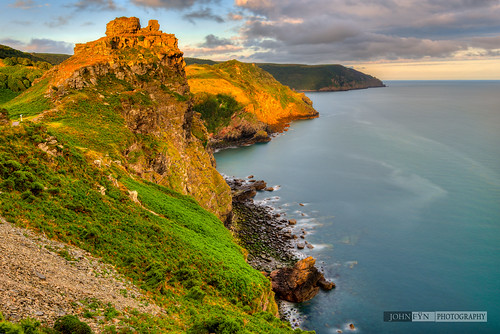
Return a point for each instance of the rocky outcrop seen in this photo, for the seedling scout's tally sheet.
(167, 146)
(299, 283)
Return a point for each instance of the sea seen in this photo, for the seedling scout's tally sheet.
(398, 189)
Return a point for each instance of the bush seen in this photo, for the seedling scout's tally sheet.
(9, 328)
(195, 293)
(218, 325)
(69, 324)
(30, 326)
(216, 110)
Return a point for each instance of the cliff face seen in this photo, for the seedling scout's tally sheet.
(137, 74)
(265, 105)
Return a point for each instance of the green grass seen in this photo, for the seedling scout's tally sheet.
(6, 95)
(31, 102)
(169, 246)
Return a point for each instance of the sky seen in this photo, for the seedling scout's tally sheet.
(390, 39)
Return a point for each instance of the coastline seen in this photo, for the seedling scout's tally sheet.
(273, 243)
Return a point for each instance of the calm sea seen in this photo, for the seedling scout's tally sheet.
(401, 187)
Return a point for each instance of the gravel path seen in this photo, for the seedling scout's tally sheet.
(44, 279)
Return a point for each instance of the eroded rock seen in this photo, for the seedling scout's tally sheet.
(299, 283)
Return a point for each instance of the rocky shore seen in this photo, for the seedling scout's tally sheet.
(272, 245)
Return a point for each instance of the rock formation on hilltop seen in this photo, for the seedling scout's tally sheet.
(140, 73)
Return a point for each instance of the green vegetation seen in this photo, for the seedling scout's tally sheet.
(52, 58)
(191, 61)
(69, 324)
(17, 75)
(179, 254)
(170, 247)
(30, 103)
(30, 326)
(8, 52)
(216, 110)
(318, 77)
(309, 77)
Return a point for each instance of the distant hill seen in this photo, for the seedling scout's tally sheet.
(8, 52)
(311, 77)
(320, 77)
(191, 61)
(53, 58)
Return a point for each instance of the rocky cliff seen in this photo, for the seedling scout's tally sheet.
(137, 75)
(264, 106)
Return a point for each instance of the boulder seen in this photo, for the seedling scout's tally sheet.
(260, 185)
(123, 26)
(153, 25)
(299, 283)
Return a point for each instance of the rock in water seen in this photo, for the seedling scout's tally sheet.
(299, 283)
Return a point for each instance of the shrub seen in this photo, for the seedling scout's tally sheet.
(9, 328)
(69, 324)
(218, 325)
(195, 293)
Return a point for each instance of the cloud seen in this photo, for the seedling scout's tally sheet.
(212, 41)
(96, 5)
(40, 45)
(204, 14)
(171, 4)
(345, 30)
(25, 4)
(58, 21)
(215, 47)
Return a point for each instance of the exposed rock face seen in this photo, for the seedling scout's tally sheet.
(150, 63)
(122, 26)
(299, 283)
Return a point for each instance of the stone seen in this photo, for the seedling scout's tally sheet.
(40, 276)
(132, 194)
(299, 283)
(260, 185)
(296, 284)
(325, 285)
(123, 26)
(292, 222)
(351, 327)
(301, 245)
(309, 246)
(153, 25)
(269, 189)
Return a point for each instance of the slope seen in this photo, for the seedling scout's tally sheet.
(241, 103)
(107, 158)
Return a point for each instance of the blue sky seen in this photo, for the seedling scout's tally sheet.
(388, 38)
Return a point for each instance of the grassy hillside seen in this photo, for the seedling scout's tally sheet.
(310, 77)
(240, 100)
(52, 58)
(79, 168)
(167, 244)
(320, 77)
